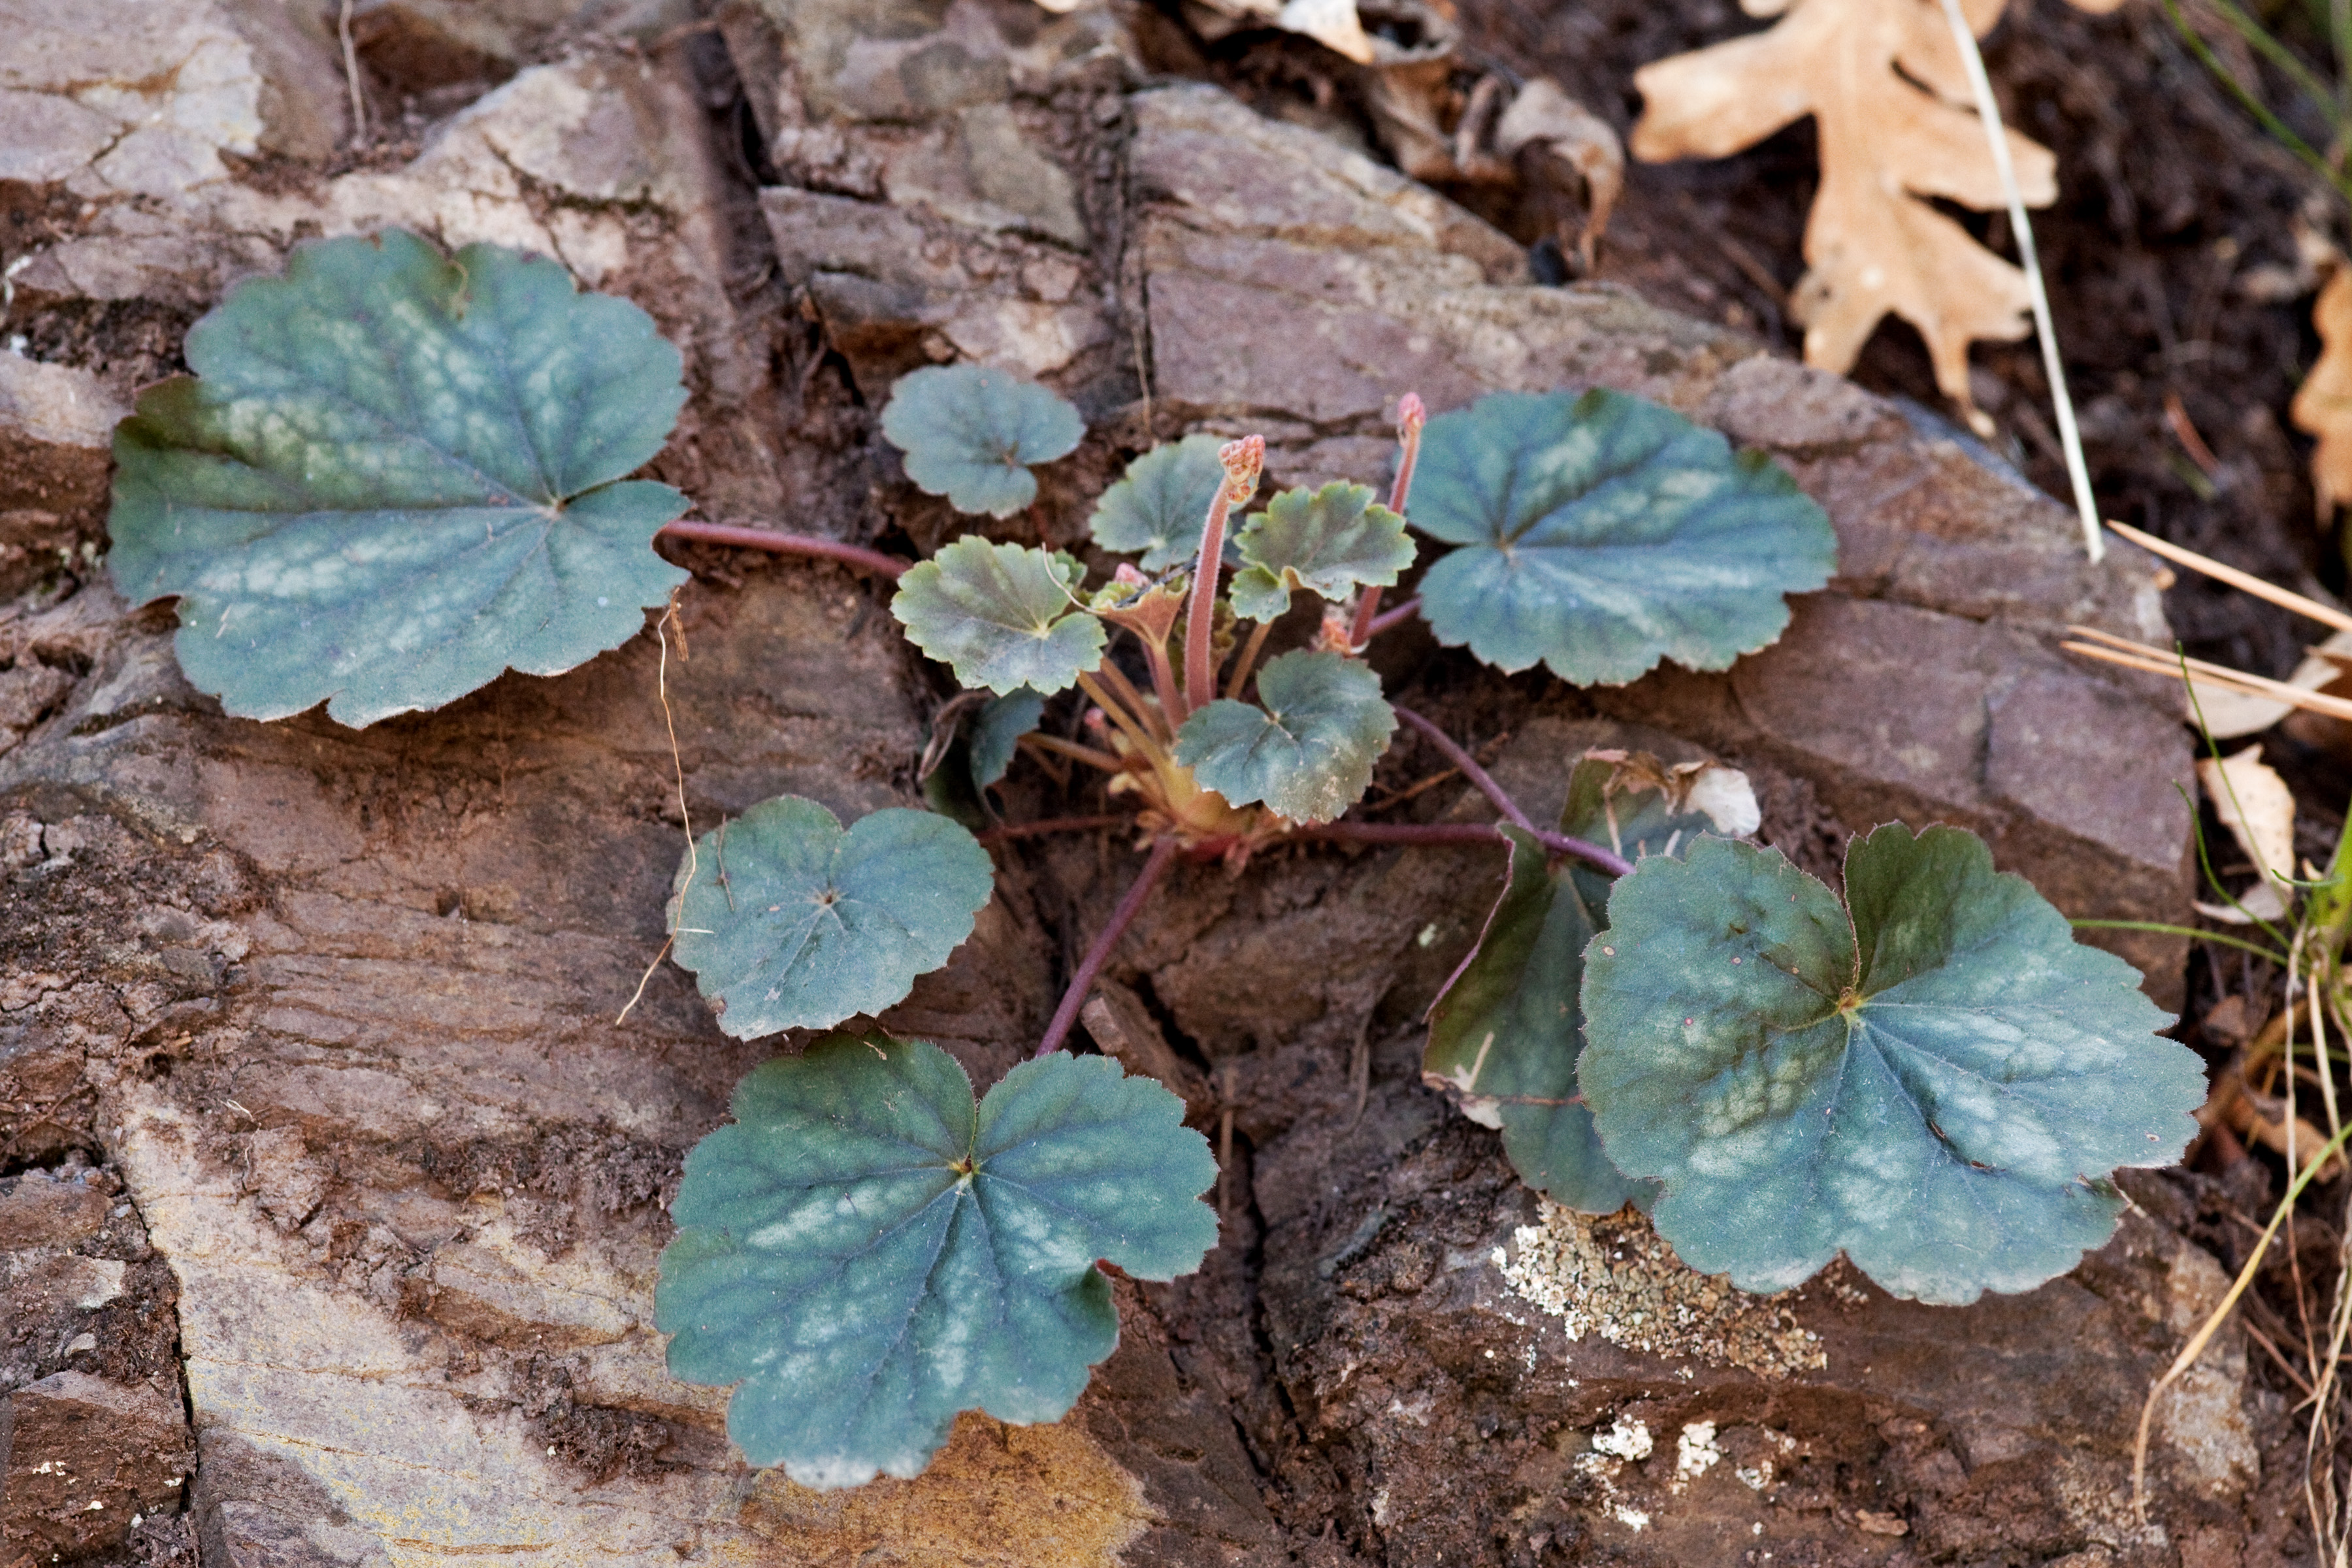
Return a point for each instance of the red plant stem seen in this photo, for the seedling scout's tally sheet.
(1470, 768)
(1392, 617)
(784, 543)
(1006, 834)
(1411, 417)
(1244, 460)
(1201, 617)
(1083, 982)
(1460, 833)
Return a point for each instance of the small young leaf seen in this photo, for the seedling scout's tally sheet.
(971, 433)
(1507, 1029)
(868, 1253)
(1162, 505)
(1938, 1084)
(790, 923)
(395, 476)
(1309, 754)
(1329, 543)
(998, 730)
(1000, 615)
(1601, 534)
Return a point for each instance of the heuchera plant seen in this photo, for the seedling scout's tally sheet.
(395, 475)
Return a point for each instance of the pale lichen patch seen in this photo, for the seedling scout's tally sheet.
(1614, 1277)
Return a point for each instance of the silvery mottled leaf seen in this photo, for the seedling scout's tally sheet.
(788, 922)
(1330, 542)
(1507, 1032)
(1309, 751)
(1001, 614)
(1162, 503)
(864, 1252)
(1937, 1082)
(972, 434)
(395, 476)
(1601, 534)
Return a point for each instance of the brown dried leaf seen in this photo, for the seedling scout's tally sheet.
(2323, 404)
(1543, 117)
(1885, 82)
(2255, 804)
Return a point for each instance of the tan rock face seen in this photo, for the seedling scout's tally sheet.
(57, 423)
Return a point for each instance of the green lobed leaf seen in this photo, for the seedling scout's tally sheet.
(1001, 614)
(788, 922)
(395, 476)
(1329, 542)
(1162, 503)
(866, 1252)
(1938, 1083)
(972, 434)
(1600, 534)
(1505, 1033)
(1308, 754)
(997, 732)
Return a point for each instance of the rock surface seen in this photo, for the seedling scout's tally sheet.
(330, 1016)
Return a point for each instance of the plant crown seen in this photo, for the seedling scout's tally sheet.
(395, 476)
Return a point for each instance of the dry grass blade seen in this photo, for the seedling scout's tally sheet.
(2109, 648)
(2221, 1315)
(2285, 599)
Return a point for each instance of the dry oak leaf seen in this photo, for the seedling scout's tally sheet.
(2323, 404)
(2255, 804)
(1897, 125)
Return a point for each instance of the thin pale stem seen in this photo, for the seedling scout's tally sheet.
(1087, 754)
(1392, 617)
(1117, 714)
(2021, 227)
(784, 543)
(1083, 982)
(1411, 417)
(1433, 833)
(1470, 769)
(1141, 712)
(1248, 660)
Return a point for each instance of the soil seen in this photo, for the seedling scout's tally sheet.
(1346, 1381)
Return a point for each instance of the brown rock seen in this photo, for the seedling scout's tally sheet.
(38, 1209)
(79, 1456)
(56, 427)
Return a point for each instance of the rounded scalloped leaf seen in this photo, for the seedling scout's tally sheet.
(867, 1253)
(1937, 1085)
(788, 922)
(393, 477)
(1162, 503)
(1505, 1033)
(997, 732)
(1330, 542)
(1308, 754)
(1601, 534)
(972, 434)
(1000, 615)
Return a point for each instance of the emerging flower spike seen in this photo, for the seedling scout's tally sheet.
(1411, 415)
(1244, 459)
